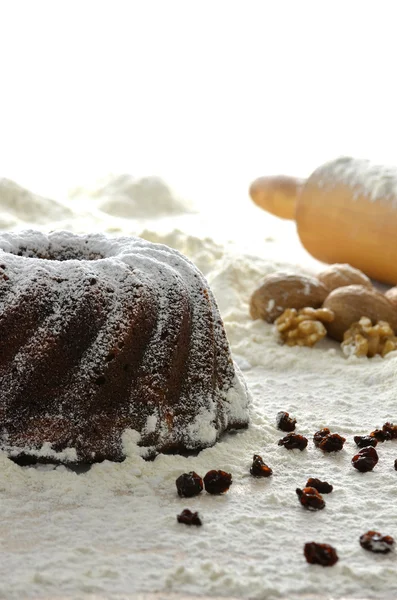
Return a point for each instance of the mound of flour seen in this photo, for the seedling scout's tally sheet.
(131, 198)
(19, 206)
(112, 531)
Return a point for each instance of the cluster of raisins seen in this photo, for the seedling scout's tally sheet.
(214, 482)
(291, 441)
(366, 459)
(325, 555)
(310, 497)
(388, 432)
(323, 439)
(327, 441)
(191, 484)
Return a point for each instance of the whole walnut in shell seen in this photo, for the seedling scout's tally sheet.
(391, 295)
(340, 275)
(352, 302)
(280, 291)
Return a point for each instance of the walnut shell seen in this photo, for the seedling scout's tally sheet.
(391, 295)
(284, 290)
(340, 275)
(352, 302)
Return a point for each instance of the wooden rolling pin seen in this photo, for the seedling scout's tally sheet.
(346, 212)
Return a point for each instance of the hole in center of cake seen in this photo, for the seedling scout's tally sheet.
(60, 254)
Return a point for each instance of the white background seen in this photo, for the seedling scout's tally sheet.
(208, 94)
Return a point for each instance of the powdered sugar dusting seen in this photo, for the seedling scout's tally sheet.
(376, 182)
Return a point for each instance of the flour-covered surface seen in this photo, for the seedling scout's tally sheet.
(111, 532)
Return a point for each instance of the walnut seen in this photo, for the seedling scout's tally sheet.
(340, 275)
(365, 339)
(351, 302)
(303, 327)
(391, 295)
(285, 290)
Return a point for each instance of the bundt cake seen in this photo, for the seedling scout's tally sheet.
(100, 335)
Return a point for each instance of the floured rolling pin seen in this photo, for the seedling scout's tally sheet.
(346, 212)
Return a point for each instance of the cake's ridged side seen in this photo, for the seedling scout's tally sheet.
(34, 388)
(107, 376)
(162, 371)
(23, 308)
(201, 396)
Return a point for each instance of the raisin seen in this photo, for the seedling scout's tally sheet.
(376, 542)
(189, 518)
(320, 554)
(395, 464)
(365, 460)
(284, 421)
(363, 441)
(332, 442)
(292, 441)
(217, 482)
(320, 435)
(391, 430)
(259, 468)
(189, 484)
(310, 498)
(380, 435)
(321, 486)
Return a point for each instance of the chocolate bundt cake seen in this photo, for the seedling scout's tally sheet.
(101, 335)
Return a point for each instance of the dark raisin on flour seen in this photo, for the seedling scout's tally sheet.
(320, 554)
(365, 440)
(259, 468)
(189, 485)
(365, 460)
(376, 542)
(285, 422)
(189, 518)
(293, 441)
(321, 486)
(310, 498)
(217, 482)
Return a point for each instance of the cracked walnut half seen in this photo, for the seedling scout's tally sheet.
(365, 339)
(304, 327)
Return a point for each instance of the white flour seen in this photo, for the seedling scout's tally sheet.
(112, 531)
